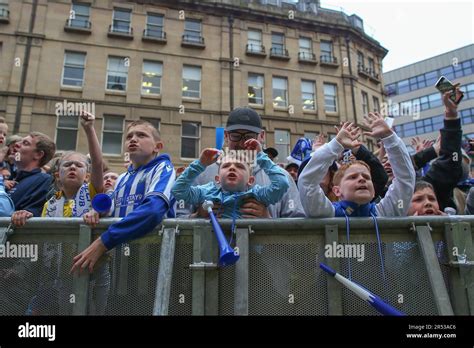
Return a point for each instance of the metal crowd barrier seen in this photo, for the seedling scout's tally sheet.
(173, 270)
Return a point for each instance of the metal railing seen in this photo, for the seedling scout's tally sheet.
(255, 49)
(428, 266)
(279, 52)
(193, 40)
(120, 30)
(328, 59)
(307, 56)
(154, 34)
(4, 13)
(78, 24)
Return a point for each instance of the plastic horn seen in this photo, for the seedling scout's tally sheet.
(101, 203)
(363, 293)
(219, 137)
(227, 255)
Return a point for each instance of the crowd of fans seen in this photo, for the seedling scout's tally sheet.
(341, 178)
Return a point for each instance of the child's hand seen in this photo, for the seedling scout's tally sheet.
(19, 217)
(91, 218)
(376, 122)
(87, 119)
(451, 111)
(9, 184)
(347, 135)
(319, 141)
(208, 156)
(253, 144)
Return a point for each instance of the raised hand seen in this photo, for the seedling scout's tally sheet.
(347, 135)
(377, 124)
(319, 141)
(208, 156)
(87, 119)
(451, 111)
(253, 144)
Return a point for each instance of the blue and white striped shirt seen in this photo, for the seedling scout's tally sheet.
(132, 187)
(143, 198)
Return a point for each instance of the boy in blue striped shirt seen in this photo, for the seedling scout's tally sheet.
(142, 195)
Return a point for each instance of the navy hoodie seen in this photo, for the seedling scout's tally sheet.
(31, 190)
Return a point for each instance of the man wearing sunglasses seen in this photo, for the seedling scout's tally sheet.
(244, 124)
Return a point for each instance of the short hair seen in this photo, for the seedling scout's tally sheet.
(70, 153)
(342, 170)
(421, 185)
(45, 144)
(155, 132)
(2, 119)
(241, 159)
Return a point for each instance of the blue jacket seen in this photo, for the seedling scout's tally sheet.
(231, 201)
(31, 190)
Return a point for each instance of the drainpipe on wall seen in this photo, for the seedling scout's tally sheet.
(24, 70)
(352, 81)
(231, 62)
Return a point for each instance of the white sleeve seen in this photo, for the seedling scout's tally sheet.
(313, 199)
(397, 200)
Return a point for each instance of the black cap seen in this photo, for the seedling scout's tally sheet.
(292, 164)
(271, 151)
(244, 118)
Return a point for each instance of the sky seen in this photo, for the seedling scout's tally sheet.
(413, 30)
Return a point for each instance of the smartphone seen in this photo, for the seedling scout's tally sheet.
(444, 85)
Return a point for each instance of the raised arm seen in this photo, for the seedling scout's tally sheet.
(397, 199)
(182, 189)
(279, 184)
(97, 163)
(315, 202)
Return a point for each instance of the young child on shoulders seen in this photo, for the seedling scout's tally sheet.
(234, 182)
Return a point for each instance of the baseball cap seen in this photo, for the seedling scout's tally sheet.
(271, 151)
(244, 118)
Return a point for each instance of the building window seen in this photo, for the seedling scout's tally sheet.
(152, 72)
(112, 135)
(306, 49)
(117, 72)
(154, 25)
(278, 44)
(255, 88)
(73, 70)
(371, 66)
(79, 17)
(121, 20)
(282, 144)
(191, 81)
(154, 121)
(66, 133)
(311, 135)
(330, 97)
(308, 95)
(254, 41)
(376, 104)
(192, 30)
(365, 103)
(326, 51)
(360, 60)
(280, 91)
(190, 135)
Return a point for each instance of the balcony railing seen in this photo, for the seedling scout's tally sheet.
(307, 57)
(328, 60)
(154, 35)
(279, 53)
(120, 32)
(4, 15)
(278, 257)
(255, 50)
(78, 25)
(192, 41)
(368, 73)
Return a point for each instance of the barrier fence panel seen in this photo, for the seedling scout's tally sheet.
(428, 266)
